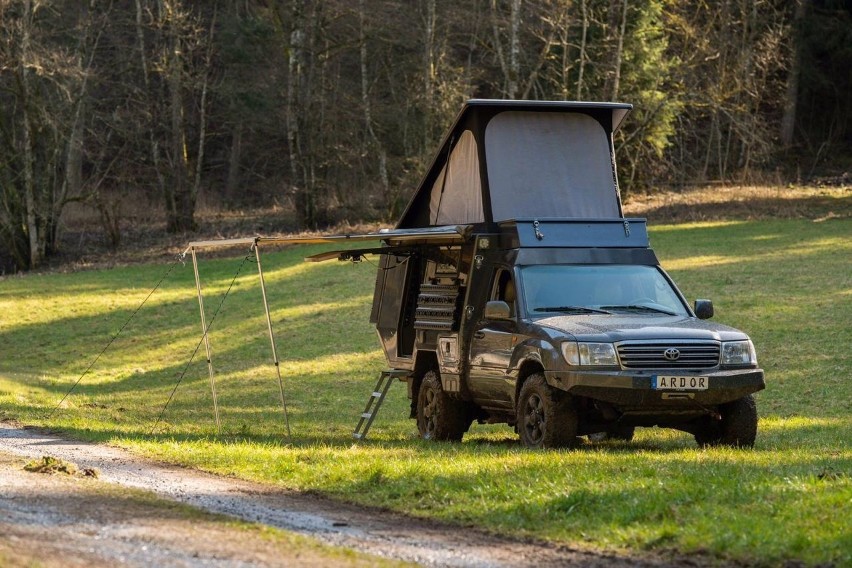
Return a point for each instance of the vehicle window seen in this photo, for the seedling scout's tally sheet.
(610, 288)
(504, 289)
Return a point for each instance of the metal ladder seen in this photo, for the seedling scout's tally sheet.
(377, 397)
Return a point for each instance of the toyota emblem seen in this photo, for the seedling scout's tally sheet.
(671, 354)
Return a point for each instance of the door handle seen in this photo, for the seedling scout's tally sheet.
(479, 335)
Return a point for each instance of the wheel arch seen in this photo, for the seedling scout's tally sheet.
(527, 368)
(424, 362)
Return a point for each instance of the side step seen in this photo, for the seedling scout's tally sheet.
(374, 402)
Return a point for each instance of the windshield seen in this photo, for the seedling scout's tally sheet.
(583, 289)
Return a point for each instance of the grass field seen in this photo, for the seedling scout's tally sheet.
(788, 283)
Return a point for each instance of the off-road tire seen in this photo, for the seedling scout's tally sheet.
(546, 417)
(737, 428)
(440, 417)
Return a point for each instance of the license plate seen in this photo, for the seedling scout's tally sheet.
(668, 382)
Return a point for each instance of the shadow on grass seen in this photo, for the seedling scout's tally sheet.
(396, 437)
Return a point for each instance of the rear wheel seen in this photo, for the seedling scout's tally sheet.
(737, 428)
(546, 417)
(440, 417)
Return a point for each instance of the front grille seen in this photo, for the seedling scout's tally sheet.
(651, 354)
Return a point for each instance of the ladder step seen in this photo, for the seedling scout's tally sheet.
(375, 401)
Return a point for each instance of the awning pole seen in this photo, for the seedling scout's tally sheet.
(206, 341)
(272, 338)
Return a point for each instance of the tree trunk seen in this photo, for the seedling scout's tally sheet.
(202, 118)
(74, 157)
(514, 50)
(788, 120)
(232, 183)
(179, 199)
(301, 194)
(72, 182)
(619, 53)
(29, 176)
(368, 115)
(429, 73)
(498, 44)
(154, 146)
(583, 39)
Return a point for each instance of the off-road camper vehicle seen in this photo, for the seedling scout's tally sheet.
(514, 291)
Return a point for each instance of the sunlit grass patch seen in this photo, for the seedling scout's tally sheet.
(697, 226)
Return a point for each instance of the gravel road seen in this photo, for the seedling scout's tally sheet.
(373, 531)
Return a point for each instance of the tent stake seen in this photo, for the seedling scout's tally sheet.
(272, 337)
(206, 342)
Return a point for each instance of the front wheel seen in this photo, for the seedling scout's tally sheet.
(737, 428)
(440, 417)
(546, 417)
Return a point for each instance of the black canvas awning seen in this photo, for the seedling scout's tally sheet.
(393, 239)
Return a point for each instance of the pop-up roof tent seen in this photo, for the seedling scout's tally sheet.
(505, 160)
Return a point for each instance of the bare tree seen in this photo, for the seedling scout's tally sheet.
(509, 63)
(372, 140)
(44, 71)
(788, 121)
(175, 59)
(429, 70)
(35, 254)
(618, 53)
(582, 55)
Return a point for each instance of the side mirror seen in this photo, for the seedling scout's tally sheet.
(703, 309)
(497, 310)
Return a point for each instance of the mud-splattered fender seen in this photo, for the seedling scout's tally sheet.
(533, 356)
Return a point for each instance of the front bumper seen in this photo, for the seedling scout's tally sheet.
(635, 388)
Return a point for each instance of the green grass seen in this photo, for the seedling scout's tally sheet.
(785, 282)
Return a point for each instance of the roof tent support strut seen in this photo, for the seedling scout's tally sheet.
(206, 341)
(271, 337)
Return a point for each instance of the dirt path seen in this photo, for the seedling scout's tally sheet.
(371, 531)
(63, 521)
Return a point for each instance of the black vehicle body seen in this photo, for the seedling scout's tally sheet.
(443, 325)
(453, 308)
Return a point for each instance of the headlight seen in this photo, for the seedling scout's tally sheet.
(597, 354)
(589, 354)
(738, 353)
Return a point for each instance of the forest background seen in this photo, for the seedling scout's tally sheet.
(331, 109)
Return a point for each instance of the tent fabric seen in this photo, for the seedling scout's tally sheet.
(457, 200)
(546, 165)
(521, 159)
